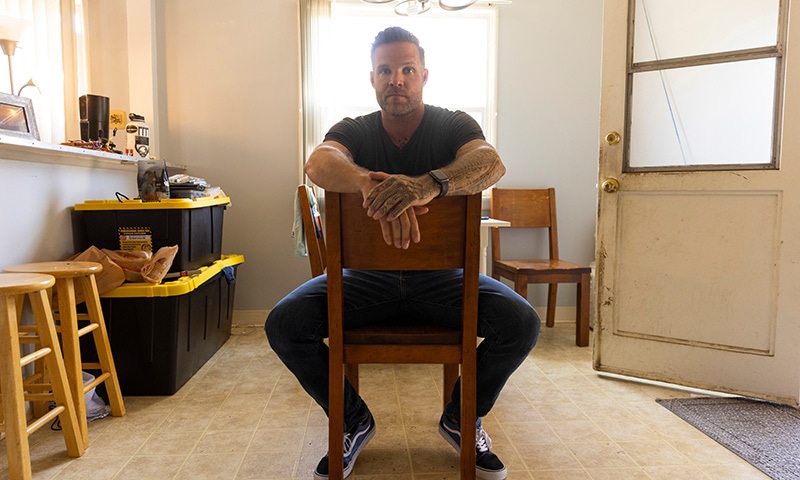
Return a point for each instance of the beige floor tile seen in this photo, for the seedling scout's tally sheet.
(210, 466)
(93, 468)
(618, 474)
(151, 467)
(575, 474)
(601, 455)
(244, 416)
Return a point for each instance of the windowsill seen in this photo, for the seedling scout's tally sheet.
(23, 150)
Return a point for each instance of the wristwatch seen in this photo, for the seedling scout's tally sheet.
(442, 180)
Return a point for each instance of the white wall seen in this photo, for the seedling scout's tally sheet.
(549, 116)
(232, 103)
(232, 99)
(37, 198)
(229, 108)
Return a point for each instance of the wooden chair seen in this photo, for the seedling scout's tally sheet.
(450, 239)
(15, 389)
(315, 242)
(537, 209)
(312, 230)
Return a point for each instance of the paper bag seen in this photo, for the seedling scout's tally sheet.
(110, 278)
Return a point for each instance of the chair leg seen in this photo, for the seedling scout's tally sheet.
(450, 378)
(582, 312)
(335, 420)
(351, 372)
(521, 286)
(552, 295)
(468, 417)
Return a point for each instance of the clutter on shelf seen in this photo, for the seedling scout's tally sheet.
(187, 186)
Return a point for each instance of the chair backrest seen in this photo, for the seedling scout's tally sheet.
(312, 230)
(450, 239)
(525, 208)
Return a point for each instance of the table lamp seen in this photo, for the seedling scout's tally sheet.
(11, 30)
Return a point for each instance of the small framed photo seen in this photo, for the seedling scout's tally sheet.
(17, 118)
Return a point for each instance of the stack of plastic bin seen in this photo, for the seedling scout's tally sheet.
(161, 335)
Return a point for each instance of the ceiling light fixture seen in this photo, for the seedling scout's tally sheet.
(409, 8)
(415, 7)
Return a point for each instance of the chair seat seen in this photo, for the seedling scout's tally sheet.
(406, 333)
(543, 266)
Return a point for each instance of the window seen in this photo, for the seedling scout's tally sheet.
(41, 66)
(705, 83)
(460, 54)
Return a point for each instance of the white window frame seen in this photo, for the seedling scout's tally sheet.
(377, 17)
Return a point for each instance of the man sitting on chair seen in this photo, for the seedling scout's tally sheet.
(399, 159)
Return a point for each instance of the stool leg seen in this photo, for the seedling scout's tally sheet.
(16, 426)
(68, 316)
(88, 285)
(38, 408)
(58, 377)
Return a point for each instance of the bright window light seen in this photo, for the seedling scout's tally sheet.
(460, 54)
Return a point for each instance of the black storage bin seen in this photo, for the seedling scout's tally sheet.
(161, 335)
(194, 225)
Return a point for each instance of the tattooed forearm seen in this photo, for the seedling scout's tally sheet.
(475, 170)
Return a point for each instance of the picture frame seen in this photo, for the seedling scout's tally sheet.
(17, 118)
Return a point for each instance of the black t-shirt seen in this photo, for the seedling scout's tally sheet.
(433, 145)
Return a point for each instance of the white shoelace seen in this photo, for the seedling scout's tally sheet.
(482, 441)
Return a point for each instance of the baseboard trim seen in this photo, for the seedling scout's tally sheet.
(563, 314)
(249, 318)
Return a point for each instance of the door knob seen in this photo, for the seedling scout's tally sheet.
(610, 185)
(613, 138)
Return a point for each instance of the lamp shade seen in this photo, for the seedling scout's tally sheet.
(12, 28)
(452, 5)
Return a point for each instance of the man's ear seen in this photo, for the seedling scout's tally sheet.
(372, 78)
(424, 76)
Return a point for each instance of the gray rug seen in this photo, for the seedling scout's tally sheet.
(766, 435)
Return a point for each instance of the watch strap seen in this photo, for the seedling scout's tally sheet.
(443, 181)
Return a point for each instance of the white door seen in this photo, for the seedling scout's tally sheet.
(698, 242)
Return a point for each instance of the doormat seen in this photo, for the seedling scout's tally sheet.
(766, 435)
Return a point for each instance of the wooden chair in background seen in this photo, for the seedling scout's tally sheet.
(537, 209)
(312, 230)
(450, 239)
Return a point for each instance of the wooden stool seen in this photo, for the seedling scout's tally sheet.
(13, 287)
(66, 275)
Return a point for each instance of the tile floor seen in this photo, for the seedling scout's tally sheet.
(243, 416)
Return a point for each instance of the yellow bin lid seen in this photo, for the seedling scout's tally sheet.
(181, 286)
(164, 204)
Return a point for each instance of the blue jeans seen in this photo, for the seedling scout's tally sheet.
(298, 324)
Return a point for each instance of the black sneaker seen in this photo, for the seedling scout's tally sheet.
(354, 442)
(487, 465)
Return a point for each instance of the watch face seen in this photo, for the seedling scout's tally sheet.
(439, 176)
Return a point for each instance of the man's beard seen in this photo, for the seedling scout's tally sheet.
(399, 109)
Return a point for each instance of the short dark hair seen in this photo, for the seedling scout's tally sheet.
(394, 35)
